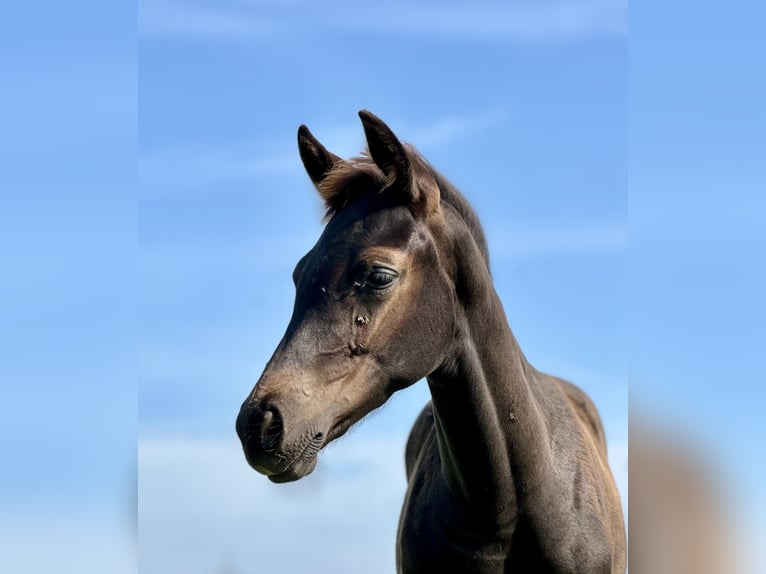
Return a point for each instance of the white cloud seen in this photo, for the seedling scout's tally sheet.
(268, 21)
(348, 140)
(523, 240)
(531, 21)
(66, 543)
(174, 18)
(162, 172)
(454, 127)
(201, 506)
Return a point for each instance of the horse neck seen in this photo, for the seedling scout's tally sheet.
(490, 432)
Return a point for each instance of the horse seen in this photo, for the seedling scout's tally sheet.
(507, 466)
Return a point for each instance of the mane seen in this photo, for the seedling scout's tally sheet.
(353, 178)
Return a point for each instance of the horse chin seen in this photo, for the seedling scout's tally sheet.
(295, 471)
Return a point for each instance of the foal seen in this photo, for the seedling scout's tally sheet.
(507, 466)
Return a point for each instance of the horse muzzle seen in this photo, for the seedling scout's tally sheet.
(270, 450)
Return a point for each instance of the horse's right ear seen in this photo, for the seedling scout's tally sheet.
(316, 159)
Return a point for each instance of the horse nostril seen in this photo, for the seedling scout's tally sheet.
(260, 427)
(271, 429)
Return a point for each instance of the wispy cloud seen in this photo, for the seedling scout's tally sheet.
(525, 240)
(265, 21)
(521, 21)
(167, 170)
(451, 128)
(68, 543)
(201, 506)
(161, 171)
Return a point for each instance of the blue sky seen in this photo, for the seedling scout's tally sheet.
(696, 218)
(67, 311)
(618, 175)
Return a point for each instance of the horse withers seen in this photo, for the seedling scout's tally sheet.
(507, 466)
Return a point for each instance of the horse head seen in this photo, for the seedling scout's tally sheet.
(374, 306)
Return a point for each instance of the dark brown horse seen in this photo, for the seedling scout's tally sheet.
(507, 466)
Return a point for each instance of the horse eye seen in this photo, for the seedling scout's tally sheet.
(380, 278)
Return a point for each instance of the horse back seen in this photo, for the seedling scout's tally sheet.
(580, 402)
(421, 442)
(586, 411)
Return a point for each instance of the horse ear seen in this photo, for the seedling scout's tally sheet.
(316, 159)
(386, 150)
(392, 157)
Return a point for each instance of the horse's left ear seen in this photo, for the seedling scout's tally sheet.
(386, 150)
(393, 159)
